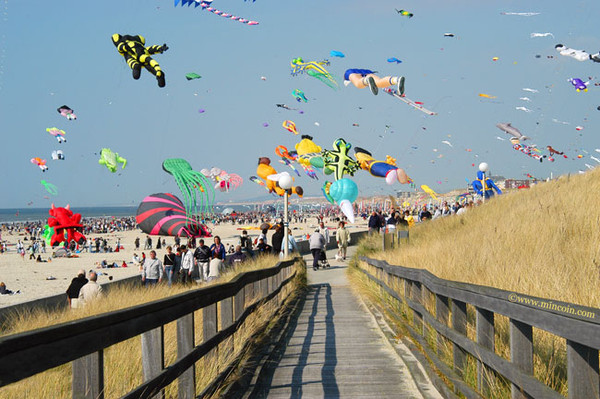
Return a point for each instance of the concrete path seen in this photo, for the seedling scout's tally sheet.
(336, 349)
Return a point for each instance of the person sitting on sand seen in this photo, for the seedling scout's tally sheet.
(6, 291)
(39, 259)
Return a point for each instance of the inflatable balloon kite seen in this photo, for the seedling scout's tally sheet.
(290, 126)
(192, 76)
(111, 160)
(137, 55)
(164, 214)
(315, 69)
(386, 169)
(64, 221)
(299, 95)
(223, 181)
(338, 162)
(206, 5)
(485, 187)
(189, 181)
(40, 162)
(394, 59)
(67, 112)
(553, 152)
(283, 152)
(264, 170)
(429, 191)
(47, 234)
(59, 134)
(58, 155)
(579, 84)
(259, 182)
(511, 130)
(344, 193)
(404, 13)
(289, 164)
(334, 53)
(579, 55)
(51, 188)
(529, 151)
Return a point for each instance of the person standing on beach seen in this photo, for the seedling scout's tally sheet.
(74, 288)
(168, 264)
(218, 248)
(187, 265)
(90, 291)
(277, 239)
(137, 243)
(374, 223)
(316, 245)
(153, 270)
(246, 243)
(202, 254)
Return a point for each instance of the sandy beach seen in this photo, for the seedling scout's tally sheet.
(31, 277)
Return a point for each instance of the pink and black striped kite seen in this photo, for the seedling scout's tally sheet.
(206, 5)
(164, 214)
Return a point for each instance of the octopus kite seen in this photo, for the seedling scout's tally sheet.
(51, 188)
(189, 181)
(137, 55)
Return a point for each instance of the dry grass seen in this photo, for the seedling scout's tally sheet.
(123, 369)
(541, 242)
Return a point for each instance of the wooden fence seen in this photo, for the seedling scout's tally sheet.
(82, 342)
(420, 290)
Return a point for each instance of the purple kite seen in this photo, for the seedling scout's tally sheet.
(164, 214)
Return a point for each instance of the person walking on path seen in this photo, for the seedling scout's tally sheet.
(316, 245)
(153, 270)
(187, 264)
(342, 236)
(202, 256)
(169, 264)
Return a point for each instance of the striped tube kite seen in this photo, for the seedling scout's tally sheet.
(315, 69)
(164, 214)
(206, 5)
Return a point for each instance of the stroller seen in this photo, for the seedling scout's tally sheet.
(323, 262)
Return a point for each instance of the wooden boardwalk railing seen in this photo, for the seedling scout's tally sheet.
(578, 325)
(83, 341)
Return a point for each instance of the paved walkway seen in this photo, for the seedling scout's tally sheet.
(336, 349)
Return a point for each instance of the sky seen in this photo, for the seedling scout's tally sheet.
(55, 53)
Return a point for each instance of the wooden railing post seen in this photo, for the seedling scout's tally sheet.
(88, 376)
(582, 371)
(485, 338)
(521, 353)
(185, 344)
(459, 324)
(153, 355)
(239, 303)
(417, 296)
(442, 313)
(225, 320)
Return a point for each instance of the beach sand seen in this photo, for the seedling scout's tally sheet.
(30, 277)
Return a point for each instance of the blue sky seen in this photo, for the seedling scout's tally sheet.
(55, 53)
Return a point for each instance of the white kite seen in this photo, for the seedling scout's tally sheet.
(579, 55)
(447, 142)
(530, 90)
(521, 14)
(523, 109)
(541, 35)
(525, 99)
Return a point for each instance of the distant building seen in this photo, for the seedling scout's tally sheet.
(516, 183)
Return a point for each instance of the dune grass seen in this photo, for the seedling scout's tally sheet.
(123, 367)
(541, 242)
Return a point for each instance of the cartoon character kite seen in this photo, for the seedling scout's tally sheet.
(137, 55)
(266, 171)
(40, 162)
(67, 112)
(58, 133)
(362, 78)
(64, 221)
(386, 169)
(111, 160)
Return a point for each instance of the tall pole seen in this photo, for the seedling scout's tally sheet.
(483, 186)
(286, 223)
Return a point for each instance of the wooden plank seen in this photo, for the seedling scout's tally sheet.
(485, 338)
(582, 371)
(239, 304)
(417, 296)
(88, 377)
(225, 320)
(153, 356)
(442, 313)
(209, 322)
(459, 324)
(521, 353)
(185, 343)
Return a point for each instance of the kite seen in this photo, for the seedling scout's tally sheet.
(223, 180)
(309, 154)
(334, 53)
(523, 109)
(530, 90)
(51, 188)
(259, 182)
(404, 13)
(290, 126)
(429, 191)
(511, 130)
(386, 169)
(579, 84)
(525, 99)
(561, 122)
(447, 142)
(394, 59)
(192, 76)
(541, 35)
(164, 214)
(408, 101)
(448, 34)
(40, 162)
(59, 134)
(529, 151)
(552, 152)
(285, 107)
(205, 4)
(362, 78)
(67, 112)
(578, 128)
(579, 55)
(313, 68)
(265, 124)
(58, 155)
(337, 161)
(47, 234)
(188, 181)
(486, 95)
(265, 170)
(485, 187)
(495, 58)
(595, 159)
(283, 152)
(344, 193)
(299, 95)
(521, 14)
(63, 220)
(289, 164)
(137, 55)
(111, 160)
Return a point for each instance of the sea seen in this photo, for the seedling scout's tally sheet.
(34, 214)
